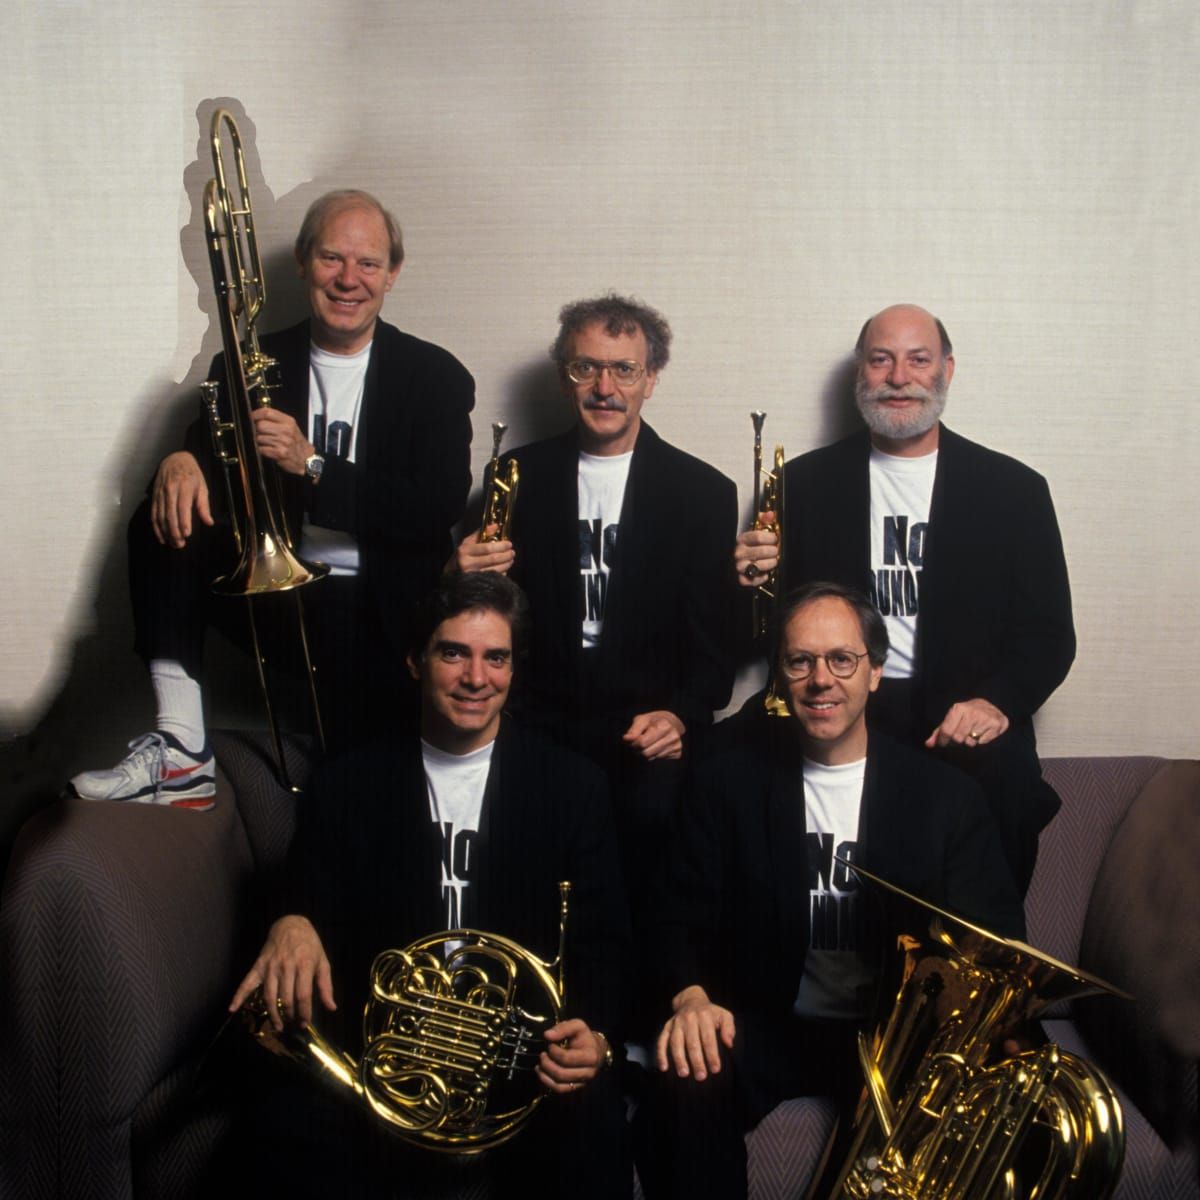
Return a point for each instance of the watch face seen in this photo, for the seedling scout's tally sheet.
(313, 465)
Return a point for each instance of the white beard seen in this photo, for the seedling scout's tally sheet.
(899, 426)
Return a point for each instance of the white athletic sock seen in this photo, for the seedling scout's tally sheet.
(180, 704)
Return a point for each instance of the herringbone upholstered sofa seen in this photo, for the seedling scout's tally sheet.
(124, 928)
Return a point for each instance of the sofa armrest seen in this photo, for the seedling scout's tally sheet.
(118, 942)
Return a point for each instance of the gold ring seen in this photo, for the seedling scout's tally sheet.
(973, 734)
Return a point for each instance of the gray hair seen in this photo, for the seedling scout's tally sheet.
(325, 206)
(618, 315)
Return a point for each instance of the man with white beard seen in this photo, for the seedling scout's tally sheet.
(960, 550)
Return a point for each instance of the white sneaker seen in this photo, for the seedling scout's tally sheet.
(157, 770)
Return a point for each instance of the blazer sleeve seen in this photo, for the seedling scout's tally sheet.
(1039, 645)
(708, 605)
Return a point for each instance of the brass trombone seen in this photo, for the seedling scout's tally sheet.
(266, 561)
(499, 491)
(768, 497)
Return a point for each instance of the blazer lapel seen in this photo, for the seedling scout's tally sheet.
(636, 544)
(788, 847)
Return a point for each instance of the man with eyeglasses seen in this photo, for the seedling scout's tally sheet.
(765, 944)
(617, 539)
(960, 549)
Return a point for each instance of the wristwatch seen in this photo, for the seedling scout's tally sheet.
(314, 464)
(608, 1053)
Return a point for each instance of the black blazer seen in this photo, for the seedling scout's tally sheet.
(734, 908)
(409, 486)
(365, 866)
(668, 618)
(995, 603)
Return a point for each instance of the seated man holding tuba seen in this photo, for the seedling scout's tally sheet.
(369, 430)
(764, 939)
(473, 823)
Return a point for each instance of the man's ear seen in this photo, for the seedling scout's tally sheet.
(414, 667)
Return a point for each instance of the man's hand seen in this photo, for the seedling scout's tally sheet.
(756, 553)
(688, 1041)
(291, 961)
(572, 1058)
(279, 439)
(969, 723)
(179, 491)
(657, 734)
(474, 555)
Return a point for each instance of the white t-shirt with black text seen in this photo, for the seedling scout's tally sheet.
(833, 970)
(456, 783)
(336, 383)
(602, 480)
(901, 490)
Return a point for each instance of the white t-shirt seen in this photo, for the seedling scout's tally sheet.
(456, 783)
(833, 970)
(335, 393)
(602, 482)
(901, 489)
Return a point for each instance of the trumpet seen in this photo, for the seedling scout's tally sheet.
(768, 497)
(451, 1037)
(266, 562)
(499, 492)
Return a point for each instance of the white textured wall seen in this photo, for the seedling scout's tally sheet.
(765, 173)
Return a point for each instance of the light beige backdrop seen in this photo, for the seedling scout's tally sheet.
(766, 173)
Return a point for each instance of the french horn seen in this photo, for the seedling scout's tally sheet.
(452, 1032)
(945, 1115)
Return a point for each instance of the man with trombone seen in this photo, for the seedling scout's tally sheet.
(369, 431)
(960, 549)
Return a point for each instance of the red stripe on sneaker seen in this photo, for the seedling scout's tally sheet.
(204, 803)
(178, 772)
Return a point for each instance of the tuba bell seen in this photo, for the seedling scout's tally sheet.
(944, 1115)
(768, 498)
(452, 1032)
(266, 561)
(499, 491)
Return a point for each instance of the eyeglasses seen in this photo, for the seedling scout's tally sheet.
(623, 371)
(842, 663)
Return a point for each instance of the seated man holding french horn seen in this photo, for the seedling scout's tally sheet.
(471, 826)
(765, 937)
(368, 431)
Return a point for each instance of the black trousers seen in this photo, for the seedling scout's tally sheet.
(689, 1137)
(363, 686)
(1007, 770)
(299, 1139)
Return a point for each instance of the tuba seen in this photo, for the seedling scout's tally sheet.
(452, 1032)
(944, 1115)
(499, 491)
(266, 562)
(768, 497)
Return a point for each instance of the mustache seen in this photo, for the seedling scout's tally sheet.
(606, 404)
(911, 391)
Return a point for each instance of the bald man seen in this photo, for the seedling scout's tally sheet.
(959, 548)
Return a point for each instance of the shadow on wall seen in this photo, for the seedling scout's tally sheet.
(104, 698)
